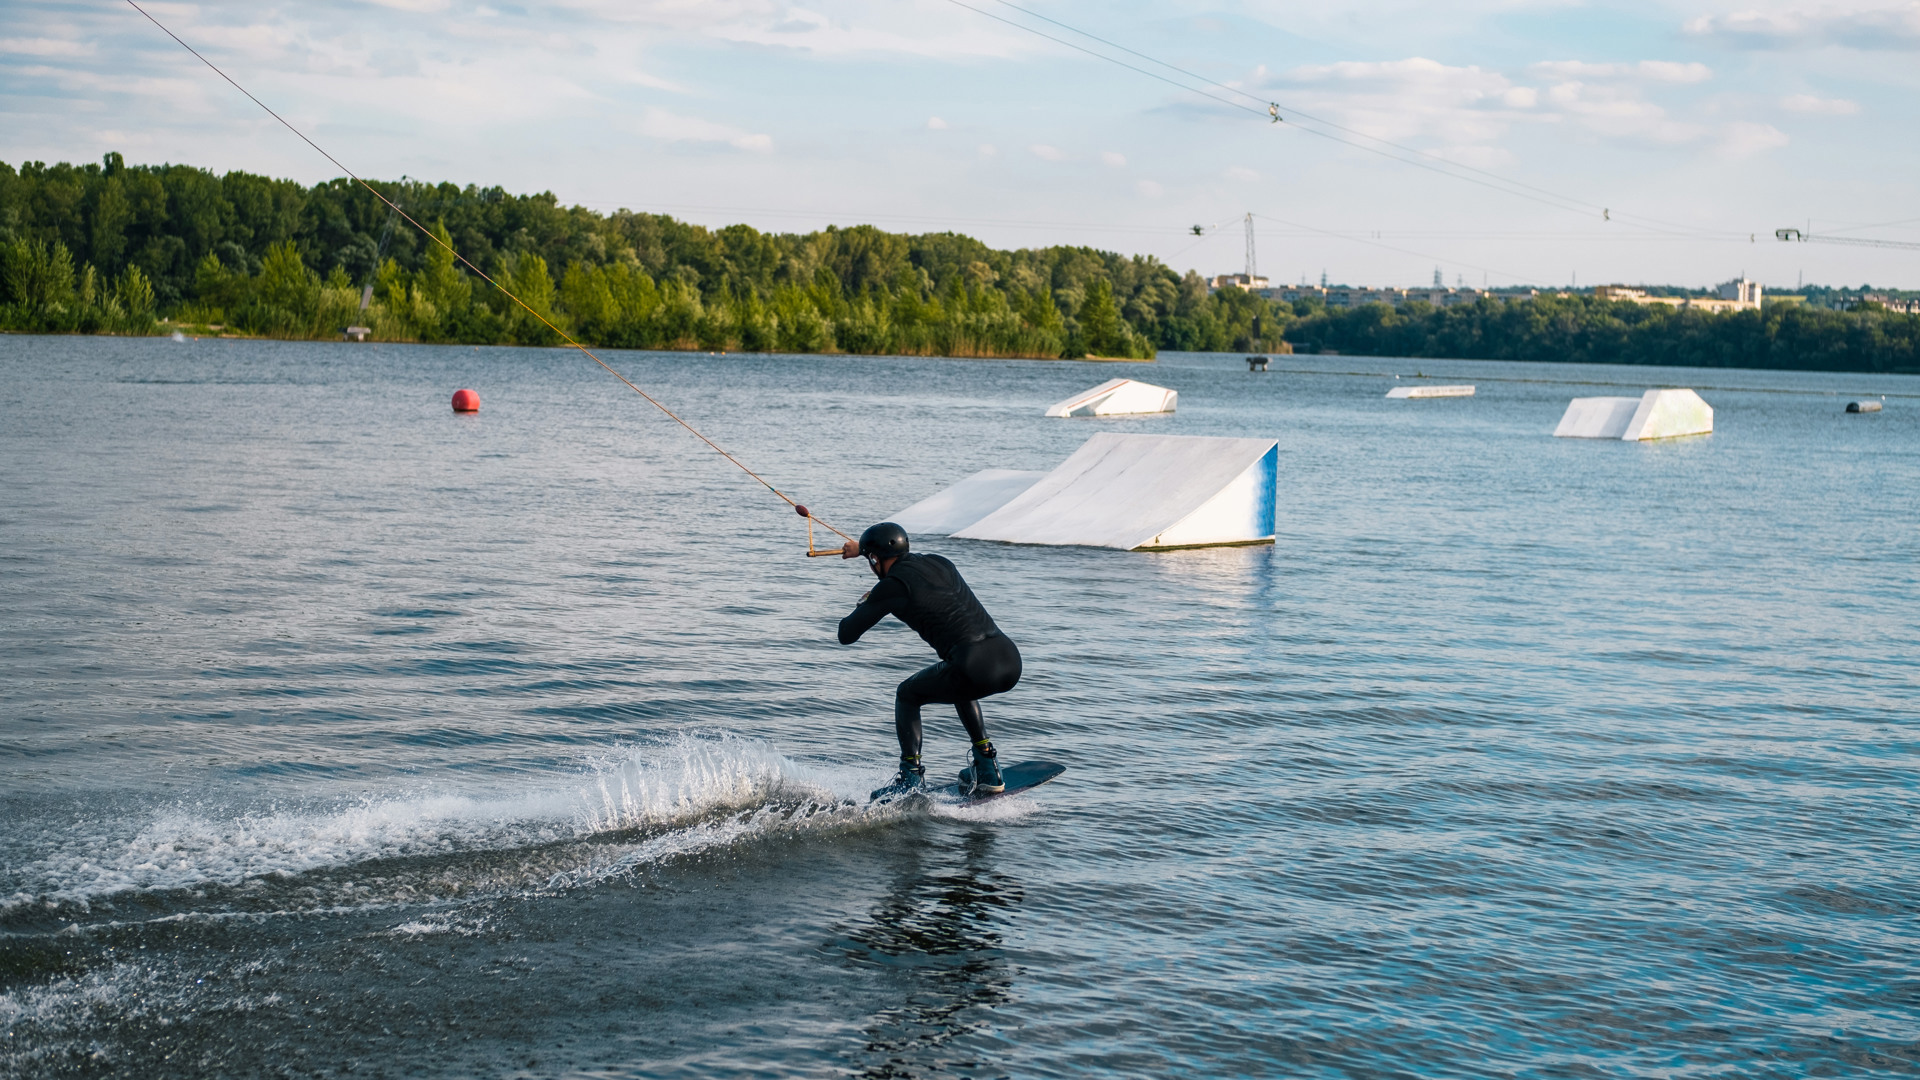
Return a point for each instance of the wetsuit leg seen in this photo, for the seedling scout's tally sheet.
(935, 683)
(971, 719)
(976, 670)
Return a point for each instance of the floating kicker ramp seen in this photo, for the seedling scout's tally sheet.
(1656, 414)
(1118, 397)
(1133, 492)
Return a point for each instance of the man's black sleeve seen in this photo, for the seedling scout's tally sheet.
(881, 602)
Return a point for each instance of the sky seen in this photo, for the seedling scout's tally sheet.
(1495, 142)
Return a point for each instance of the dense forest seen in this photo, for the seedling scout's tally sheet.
(113, 248)
(1579, 329)
(110, 247)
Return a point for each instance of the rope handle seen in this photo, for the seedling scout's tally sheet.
(813, 552)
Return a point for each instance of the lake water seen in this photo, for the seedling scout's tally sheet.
(344, 735)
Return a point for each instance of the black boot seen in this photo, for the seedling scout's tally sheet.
(912, 777)
(983, 776)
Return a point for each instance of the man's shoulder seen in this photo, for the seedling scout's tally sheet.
(924, 565)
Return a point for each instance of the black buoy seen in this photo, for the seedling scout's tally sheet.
(1863, 406)
(1256, 363)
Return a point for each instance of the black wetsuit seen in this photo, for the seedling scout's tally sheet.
(927, 593)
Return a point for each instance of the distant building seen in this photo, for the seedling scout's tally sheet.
(1741, 291)
(1249, 282)
(1345, 296)
(1739, 294)
(1511, 295)
(1893, 303)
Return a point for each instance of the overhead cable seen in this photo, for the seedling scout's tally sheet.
(482, 274)
(1390, 247)
(1454, 169)
(1857, 241)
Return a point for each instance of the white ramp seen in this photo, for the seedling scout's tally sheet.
(1596, 418)
(1430, 391)
(1118, 397)
(1657, 414)
(1665, 414)
(966, 502)
(1151, 492)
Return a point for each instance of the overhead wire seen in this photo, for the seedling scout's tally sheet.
(802, 510)
(1494, 181)
(1246, 108)
(1390, 247)
(1856, 241)
(1875, 225)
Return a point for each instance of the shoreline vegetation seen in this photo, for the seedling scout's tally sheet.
(143, 249)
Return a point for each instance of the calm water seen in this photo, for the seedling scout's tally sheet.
(341, 734)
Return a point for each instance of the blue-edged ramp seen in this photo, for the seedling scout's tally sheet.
(1133, 492)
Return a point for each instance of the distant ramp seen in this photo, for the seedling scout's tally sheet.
(1430, 391)
(1656, 414)
(1151, 492)
(1118, 397)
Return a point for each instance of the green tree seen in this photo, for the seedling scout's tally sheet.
(134, 293)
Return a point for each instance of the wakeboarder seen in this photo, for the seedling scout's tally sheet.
(976, 660)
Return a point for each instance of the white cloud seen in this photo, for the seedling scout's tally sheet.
(987, 149)
(856, 27)
(45, 47)
(1469, 110)
(658, 123)
(1743, 138)
(1673, 72)
(1620, 113)
(1888, 26)
(1819, 106)
(1048, 153)
(1666, 71)
(1242, 173)
(1414, 98)
(1118, 161)
(936, 124)
(1149, 189)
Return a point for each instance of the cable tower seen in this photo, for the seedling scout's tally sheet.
(1252, 265)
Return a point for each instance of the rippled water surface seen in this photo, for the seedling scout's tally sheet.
(342, 734)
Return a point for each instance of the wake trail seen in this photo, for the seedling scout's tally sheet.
(629, 809)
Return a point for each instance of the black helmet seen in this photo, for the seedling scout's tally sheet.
(884, 541)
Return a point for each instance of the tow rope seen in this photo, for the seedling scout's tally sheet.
(812, 552)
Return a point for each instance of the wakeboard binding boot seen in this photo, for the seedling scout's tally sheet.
(912, 777)
(983, 776)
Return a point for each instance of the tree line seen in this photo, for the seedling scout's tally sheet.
(112, 247)
(1583, 329)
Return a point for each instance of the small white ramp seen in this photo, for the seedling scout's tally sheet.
(1118, 397)
(1656, 414)
(1430, 391)
(1596, 418)
(1153, 492)
(949, 511)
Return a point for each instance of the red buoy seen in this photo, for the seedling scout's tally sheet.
(466, 401)
(801, 510)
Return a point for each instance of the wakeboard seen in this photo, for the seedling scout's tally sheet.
(1025, 776)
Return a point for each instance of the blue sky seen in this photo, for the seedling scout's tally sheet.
(1694, 124)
